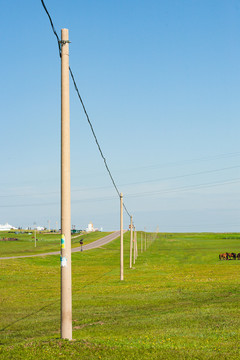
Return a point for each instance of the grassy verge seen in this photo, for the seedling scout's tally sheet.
(25, 245)
(179, 302)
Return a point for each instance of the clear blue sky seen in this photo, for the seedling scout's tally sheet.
(161, 83)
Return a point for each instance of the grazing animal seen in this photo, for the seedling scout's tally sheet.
(232, 256)
(223, 256)
(238, 256)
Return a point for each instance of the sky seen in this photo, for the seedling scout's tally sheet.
(160, 80)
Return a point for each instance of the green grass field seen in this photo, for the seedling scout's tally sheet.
(179, 302)
(47, 242)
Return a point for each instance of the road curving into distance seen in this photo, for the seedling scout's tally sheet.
(94, 245)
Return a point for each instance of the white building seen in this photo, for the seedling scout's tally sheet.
(90, 228)
(39, 228)
(7, 227)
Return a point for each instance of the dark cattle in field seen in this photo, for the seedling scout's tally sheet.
(223, 256)
(232, 256)
(9, 239)
(238, 256)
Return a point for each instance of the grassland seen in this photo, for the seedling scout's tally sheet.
(179, 302)
(46, 242)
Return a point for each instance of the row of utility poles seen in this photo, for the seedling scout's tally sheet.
(133, 240)
(66, 272)
(146, 241)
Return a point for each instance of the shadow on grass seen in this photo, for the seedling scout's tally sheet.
(28, 316)
(52, 303)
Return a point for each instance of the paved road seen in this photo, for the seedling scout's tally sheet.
(95, 244)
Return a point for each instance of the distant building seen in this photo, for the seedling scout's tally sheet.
(7, 227)
(76, 231)
(90, 228)
(39, 228)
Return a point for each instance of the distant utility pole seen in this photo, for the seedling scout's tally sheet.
(35, 236)
(145, 247)
(134, 246)
(141, 242)
(131, 243)
(66, 273)
(121, 236)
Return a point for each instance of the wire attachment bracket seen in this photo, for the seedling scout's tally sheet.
(63, 42)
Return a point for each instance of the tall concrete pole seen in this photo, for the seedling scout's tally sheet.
(145, 239)
(66, 272)
(131, 243)
(121, 236)
(134, 246)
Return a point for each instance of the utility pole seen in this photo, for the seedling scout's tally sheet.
(131, 243)
(121, 236)
(134, 246)
(145, 239)
(141, 242)
(66, 273)
(35, 236)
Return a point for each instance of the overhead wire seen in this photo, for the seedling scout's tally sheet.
(180, 176)
(126, 184)
(188, 161)
(84, 108)
(219, 156)
(186, 188)
(143, 194)
(53, 28)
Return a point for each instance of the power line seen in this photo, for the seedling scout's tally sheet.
(126, 184)
(53, 28)
(84, 108)
(186, 188)
(171, 164)
(181, 176)
(142, 194)
(189, 161)
(93, 132)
